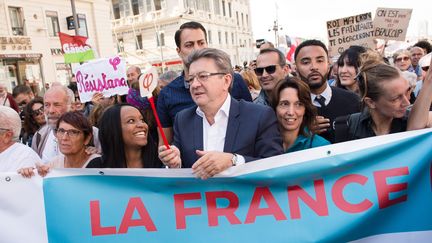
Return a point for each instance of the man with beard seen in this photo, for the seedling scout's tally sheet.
(271, 68)
(311, 58)
(57, 101)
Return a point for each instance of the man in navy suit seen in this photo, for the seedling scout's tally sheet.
(219, 132)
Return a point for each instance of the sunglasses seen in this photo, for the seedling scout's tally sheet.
(399, 59)
(269, 69)
(38, 112)
(425, 68)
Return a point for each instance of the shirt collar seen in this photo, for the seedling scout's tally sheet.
(327, 94)
(224, 109)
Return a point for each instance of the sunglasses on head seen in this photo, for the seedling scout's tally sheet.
(269, 69)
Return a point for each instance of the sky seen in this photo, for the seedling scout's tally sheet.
(307, 18)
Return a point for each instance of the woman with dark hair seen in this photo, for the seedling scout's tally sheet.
(123, 134)
(33, 119)
(296, 115)
(74, 134)
(348, 67)
(385, 97)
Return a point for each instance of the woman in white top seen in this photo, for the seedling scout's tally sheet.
(73, 135)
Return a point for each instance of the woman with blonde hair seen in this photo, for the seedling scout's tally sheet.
(252, 82)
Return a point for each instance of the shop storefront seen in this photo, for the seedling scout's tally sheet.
(17, 66)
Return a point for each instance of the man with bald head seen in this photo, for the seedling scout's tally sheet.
(132, 74)
(416, 54)
(57, 101)
(13, 155)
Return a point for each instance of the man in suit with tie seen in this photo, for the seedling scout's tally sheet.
(312, 63)
(219, 132)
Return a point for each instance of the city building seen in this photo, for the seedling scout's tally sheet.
(144, 29)
(30, 50)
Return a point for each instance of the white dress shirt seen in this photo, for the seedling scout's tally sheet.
(327, 94)
(214, 134)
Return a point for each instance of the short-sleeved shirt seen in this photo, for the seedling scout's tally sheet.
(18, 156)
(176, 97)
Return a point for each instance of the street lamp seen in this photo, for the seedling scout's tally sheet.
(276, 29)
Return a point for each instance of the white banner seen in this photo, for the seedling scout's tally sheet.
(22, 210)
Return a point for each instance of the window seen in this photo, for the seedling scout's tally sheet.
(223, 8)
(157, 4)
(209, 36)
(135, 7)
(237, 18)
(138, 42)
(116, 9)
(82, 24)
(232, 39)
(242, 20)
(247, 20)
(52, 22)
(160, 39)
(17, 21)
(220, 37)
(120, 45)
(229, 10)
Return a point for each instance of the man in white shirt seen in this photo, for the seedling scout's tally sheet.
(13, 155)
(220, 131)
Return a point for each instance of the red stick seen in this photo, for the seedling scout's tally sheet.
(151, 100)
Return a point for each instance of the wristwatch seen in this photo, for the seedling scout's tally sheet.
(234, 160)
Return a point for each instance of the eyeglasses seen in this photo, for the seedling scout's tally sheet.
(38, 112)
(201, 77)
(269, 69)
(72, 133)
(399, 59)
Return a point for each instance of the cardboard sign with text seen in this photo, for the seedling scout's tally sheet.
(105, 75)
(391, 23)
(353, 30)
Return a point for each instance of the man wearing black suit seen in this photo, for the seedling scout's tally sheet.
(219, 132)
(312, 63)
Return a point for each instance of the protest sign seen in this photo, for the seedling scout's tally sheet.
(148, 81)
(371, 189)
(75, 48)
(391, 23)
(353, 30)
(105, 75)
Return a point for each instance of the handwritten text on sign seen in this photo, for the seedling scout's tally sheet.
(391, 24)
(148, 82)
(106, 76)
(345, 32)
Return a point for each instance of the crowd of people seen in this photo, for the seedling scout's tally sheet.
(215, 116)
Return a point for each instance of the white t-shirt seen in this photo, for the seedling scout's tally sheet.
(16, 157)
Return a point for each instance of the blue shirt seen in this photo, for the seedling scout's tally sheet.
(175, 97)
(303, 142)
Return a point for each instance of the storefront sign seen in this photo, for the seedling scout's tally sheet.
(15, 43)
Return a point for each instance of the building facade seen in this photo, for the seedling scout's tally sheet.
(144, 29)
(30, 50)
